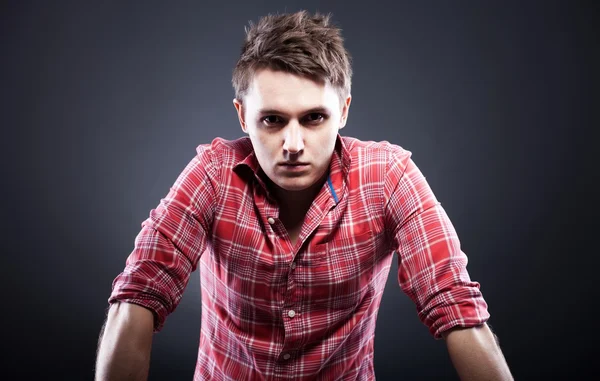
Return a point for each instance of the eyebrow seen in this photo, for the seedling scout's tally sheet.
(271, 111)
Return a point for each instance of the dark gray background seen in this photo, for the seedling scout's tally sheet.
(103, 104)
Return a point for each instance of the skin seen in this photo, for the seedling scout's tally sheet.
(476, 355)
(125, 344)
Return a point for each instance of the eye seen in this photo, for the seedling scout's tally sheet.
(315, 118)
(271, 120)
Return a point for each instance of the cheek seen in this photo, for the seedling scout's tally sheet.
(264, 140)
(266, 145)
(330, 138)
(263, 145)
(324, 146)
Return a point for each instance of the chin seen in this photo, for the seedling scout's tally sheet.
(294, 186)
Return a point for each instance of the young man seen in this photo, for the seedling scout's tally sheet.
(295, 228)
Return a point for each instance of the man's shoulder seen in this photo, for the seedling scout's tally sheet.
(375, 150)
(226, 152)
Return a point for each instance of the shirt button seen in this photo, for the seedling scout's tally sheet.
(291, 313)
(286, 356)
(271, 220)
(293, 265)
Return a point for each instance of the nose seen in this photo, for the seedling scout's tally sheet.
(293, 140)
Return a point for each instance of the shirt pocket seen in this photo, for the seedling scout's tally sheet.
(342, 271)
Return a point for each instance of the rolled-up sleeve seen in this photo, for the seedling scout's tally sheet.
(432, 268)
(172, 239)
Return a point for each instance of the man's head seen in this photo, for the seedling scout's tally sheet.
(292, 86)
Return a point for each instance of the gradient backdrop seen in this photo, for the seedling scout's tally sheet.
(103, 104)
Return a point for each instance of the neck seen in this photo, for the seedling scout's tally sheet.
(298, 202)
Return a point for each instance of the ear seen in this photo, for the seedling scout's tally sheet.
(345, 108)
(240, 112)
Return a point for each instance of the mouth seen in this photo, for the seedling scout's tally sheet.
(294, 166)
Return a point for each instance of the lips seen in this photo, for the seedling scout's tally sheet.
(294, 167)
(293, 164)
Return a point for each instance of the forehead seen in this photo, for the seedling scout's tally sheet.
(289, 92)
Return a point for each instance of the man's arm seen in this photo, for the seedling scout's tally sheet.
(125, 343)
(476, 355)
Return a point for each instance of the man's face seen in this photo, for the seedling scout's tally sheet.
(293, 123)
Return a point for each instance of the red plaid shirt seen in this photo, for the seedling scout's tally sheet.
(272, 310)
